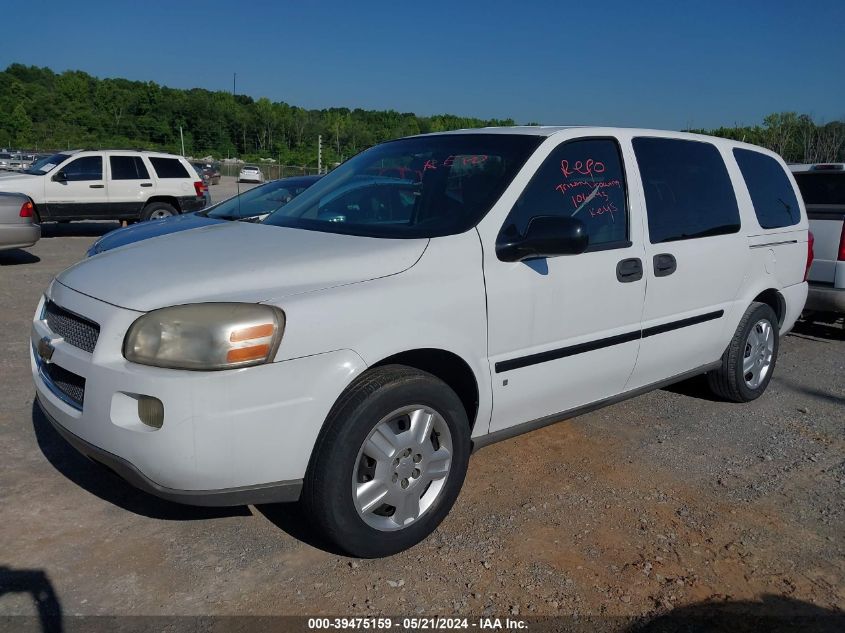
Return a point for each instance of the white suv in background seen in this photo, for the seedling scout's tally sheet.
(108, 185)
(356, 346)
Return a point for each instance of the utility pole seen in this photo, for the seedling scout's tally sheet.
(234, 83)
(319, 153)
(182, 138)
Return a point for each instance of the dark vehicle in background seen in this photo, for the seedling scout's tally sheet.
(250, 206)
(209, 172)
(822, 186)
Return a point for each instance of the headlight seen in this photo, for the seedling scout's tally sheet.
(206, 336)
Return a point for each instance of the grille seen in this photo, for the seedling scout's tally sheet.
(75, 330)
(70, 384)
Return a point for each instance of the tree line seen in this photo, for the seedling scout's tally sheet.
(44, 110)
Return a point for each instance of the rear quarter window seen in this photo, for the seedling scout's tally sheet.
(688, 191)
(771, 192)
(168, 167)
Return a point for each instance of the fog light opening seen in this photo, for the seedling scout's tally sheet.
(151, 411)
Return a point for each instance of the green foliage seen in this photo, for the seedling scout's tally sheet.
(796, 137)
(44, 110)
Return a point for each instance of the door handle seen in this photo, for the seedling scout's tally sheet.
(664, 265)
(96, 186)
(146, 184)
(629, 270)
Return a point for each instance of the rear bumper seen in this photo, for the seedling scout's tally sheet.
(19, 235)
(187, 204)
(825, 298)
(278, 492)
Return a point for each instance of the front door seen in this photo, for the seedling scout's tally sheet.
(564, 331)
(77, 190)
(695, 260)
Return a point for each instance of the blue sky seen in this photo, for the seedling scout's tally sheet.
(635, 63)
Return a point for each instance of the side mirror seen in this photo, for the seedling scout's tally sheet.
(545, 236)
(60, 177)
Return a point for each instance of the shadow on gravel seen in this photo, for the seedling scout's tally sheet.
(812, 392)
(36, 583)
(16, 256)
(772, 614)
(101, 482)
(820, 327)
(77, 229)
(695, 387)
(290, 518)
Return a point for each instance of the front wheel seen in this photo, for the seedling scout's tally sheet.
(389, 463)
(749, 361)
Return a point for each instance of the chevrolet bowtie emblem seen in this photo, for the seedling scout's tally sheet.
(45, 349)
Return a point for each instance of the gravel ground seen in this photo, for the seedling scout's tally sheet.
(666, 501)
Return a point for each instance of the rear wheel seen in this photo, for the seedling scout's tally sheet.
(749, 361)
(389, 463)
(158, 211)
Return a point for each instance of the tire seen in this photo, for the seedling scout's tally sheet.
(741, 378)
(158, 211)
(377, 433)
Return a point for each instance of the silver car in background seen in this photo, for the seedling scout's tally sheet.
(17, 221)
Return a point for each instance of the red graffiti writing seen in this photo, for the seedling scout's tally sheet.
(580, 198)
(566, 186)
(466, 161)
(610, 208)
(587, 167)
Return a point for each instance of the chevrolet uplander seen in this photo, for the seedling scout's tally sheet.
(429, 296)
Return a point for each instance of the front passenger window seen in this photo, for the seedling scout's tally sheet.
(582, 179)
(85, 168)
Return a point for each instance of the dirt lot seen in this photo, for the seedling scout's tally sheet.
(661, 502)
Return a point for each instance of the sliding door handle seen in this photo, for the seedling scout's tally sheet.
(629, 270)
(96, 186)
(664, 265)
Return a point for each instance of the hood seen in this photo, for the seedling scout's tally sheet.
(10, 177)
(146, 230)
(236, 261)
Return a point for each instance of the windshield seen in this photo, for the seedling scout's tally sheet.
(47, 164)
(259, 201)
(423, 186)
(822, 188)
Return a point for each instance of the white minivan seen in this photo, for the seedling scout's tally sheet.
(429, 296)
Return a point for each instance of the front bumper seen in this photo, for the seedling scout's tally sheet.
(825, 298)
(228, 437)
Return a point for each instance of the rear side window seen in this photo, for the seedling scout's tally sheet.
(822, 188)
(771, 192)
(688, 192)
(579, 179)
(85, 168)
(128, 168)
(169, 168)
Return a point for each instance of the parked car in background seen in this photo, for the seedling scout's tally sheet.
(252, 205)
(5, 160)
(17, 222)
(355, 347)
(822, 186)
(109, 184)
(209, 172)
(251, 173)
